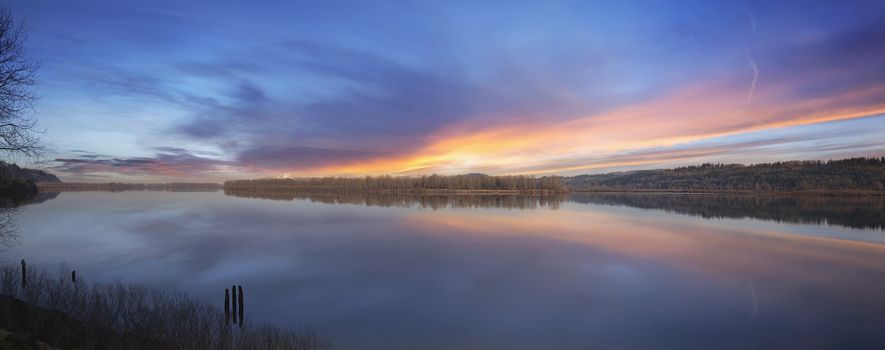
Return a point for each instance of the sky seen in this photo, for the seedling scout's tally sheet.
(158, 91)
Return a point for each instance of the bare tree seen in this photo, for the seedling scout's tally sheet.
(18, 82)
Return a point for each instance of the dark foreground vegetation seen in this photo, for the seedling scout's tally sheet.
(850, 176)
(71, 314)
(119, 186)
(431, 183)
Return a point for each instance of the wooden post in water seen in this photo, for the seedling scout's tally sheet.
(240, 302)
(233, 293)
(226, 306)
(24, 274)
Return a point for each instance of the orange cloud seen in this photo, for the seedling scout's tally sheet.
(692, 114)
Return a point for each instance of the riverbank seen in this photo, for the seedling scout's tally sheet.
(817, 193)
(428, 192)
(282, 192)
(70, 313)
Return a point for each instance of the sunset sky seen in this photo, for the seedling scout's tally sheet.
(211, 90)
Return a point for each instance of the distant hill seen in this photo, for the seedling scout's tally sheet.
(849, 175)
(12, 171)
(21, 182)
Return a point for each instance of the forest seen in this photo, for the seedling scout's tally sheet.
(846, 175)
(853, 175)
(431, 183)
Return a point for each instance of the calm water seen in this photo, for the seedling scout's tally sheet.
(580, 272)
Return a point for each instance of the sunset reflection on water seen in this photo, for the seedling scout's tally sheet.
(492, 273)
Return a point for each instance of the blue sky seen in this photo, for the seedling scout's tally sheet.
(214, 90)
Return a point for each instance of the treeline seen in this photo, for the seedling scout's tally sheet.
(408, 200)
(452, 183)
(119, 186)
(20, 183)
(860, 175)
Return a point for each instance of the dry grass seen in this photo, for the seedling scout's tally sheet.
(116, 316)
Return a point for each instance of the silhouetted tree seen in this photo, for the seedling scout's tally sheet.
(18, 127)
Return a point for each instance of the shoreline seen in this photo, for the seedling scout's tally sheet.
(399, 192)
(63, 310)
(809, 193)
(438, 192)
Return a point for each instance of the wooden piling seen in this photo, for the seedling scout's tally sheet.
(233, 293)
(24, 274)
(226, 306)
(240, 302)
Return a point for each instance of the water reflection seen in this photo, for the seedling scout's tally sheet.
(595, 273)
(9, 232)
(430, 201)
(9, 236)
(856, 212)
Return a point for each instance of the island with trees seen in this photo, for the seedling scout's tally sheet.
(470, 183)
(846, 176)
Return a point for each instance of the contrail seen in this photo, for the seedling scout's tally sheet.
(753, 294)
(755, 75)
(752, 20)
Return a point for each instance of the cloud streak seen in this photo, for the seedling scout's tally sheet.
(755, 76)
(542, 90)
(169, 162)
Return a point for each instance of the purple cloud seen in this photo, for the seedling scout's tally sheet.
(298, 158)
(169, 161)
